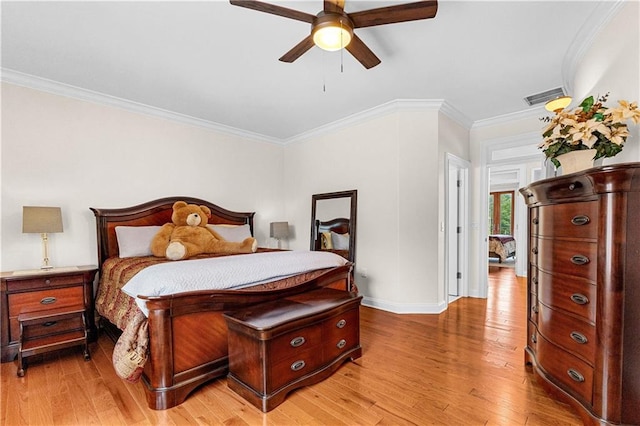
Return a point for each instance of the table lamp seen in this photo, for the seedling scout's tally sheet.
(43, 221)
(279, 231)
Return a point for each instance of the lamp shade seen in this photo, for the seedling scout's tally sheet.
(41, 220)
(558, 104)
(279, 230)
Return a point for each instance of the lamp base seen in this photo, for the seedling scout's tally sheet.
(46, 267)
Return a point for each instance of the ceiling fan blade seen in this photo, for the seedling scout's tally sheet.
(362, 53)
(274, 10)
(298, 50)
(392, 14)
(334, 6)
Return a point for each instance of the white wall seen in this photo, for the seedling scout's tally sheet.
(58, 151)
(395, 161)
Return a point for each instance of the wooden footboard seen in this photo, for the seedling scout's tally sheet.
(188, 335)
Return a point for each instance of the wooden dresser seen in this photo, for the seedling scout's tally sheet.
(584, 290)
(279, 346)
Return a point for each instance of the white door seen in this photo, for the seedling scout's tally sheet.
(455, 226)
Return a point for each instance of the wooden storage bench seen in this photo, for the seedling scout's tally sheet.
(279, 346)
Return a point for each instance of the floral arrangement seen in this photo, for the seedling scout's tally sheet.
(590, 126)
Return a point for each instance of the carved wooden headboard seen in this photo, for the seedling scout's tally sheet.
(156, 212)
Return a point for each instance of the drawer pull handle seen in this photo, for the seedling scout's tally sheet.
(341, 344)
(535, 221)
(298, 341)
(48, 300)
(534, 339)
(575, 375)
(579, 259)
(580, 220)
(574, 185)
(580, 299)
(47, 281)
(298, 365)
(49, 323)
(341, 323)
(579, 337)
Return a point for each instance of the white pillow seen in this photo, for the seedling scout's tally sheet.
(233, 233)
(340, 241)
(134, 241)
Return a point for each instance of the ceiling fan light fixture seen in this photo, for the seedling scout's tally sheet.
(332, 32)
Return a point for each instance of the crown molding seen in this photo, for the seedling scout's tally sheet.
(590, 29)
(536, 112)
(57, 88)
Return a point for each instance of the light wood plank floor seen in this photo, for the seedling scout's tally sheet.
(463, 367)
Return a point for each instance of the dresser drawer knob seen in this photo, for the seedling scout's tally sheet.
(534, 250)
(48, 300)
(580, 299)
(47, 281)
(579, 337)
(534, 339)
(49, 323)
(298, 341)
(535, 308)
(298, 365)
(341, 323)
(579, 259)
(575, 375)
(535, 221)
(534, 280)
(580, 220)
(341, 344)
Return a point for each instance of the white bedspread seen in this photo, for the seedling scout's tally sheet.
(225, 272)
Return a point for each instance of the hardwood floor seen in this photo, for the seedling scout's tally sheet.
(463, 367)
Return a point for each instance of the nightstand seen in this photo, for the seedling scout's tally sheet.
(45, 310)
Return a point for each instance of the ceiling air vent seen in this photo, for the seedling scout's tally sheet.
(543, 97)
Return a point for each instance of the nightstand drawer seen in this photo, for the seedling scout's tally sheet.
(44, 282)
(45, 299)
(50, 327)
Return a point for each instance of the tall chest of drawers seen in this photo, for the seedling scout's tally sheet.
(583, 335)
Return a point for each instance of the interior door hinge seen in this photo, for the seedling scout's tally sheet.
(459, 229)
(459, 275)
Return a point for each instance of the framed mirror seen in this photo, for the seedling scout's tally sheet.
(333, 222)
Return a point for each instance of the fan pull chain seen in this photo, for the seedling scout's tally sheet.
(341, 49)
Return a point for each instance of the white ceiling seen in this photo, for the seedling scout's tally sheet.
(219, 63)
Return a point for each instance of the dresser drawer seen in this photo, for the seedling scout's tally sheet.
(532, 336)
(294, 342)
(573, 220)
(578, 259)
(572, 295)
(533, 308)
(44, 282)
(291, 369)
(574, 335)
(575, 374)
(341, 334)
(45, 299)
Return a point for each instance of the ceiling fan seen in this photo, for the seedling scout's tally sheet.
(332, 28)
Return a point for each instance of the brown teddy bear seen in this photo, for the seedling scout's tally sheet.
(189, 235)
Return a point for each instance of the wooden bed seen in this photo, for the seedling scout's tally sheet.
(339, 226)
(502, 247)
(187, 331)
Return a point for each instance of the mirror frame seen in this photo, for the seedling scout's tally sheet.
(353, 196)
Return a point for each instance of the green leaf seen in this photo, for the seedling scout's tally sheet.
(587, 104)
